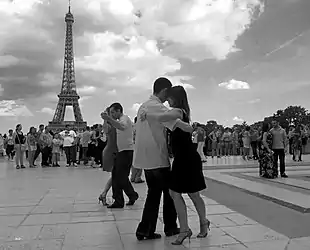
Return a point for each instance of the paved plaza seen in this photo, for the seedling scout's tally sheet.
(57, 208)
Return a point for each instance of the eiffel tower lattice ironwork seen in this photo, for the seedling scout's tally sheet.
(68, 95)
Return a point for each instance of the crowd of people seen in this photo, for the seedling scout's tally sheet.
(246, 142)
(157, 138)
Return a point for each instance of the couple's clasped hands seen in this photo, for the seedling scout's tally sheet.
(104, 115)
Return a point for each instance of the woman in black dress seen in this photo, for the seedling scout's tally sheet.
(186, 174)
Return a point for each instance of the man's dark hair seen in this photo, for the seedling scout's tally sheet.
(42, 126)
(11, 130)
(160, 84)
(87, 128)
(117, 107)
(67, 126)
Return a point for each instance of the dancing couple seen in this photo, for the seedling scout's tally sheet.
(117, 156)
(151, 154)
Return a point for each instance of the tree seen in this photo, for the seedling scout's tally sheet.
(294, 114)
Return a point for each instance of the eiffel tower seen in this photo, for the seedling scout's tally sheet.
(68, 95)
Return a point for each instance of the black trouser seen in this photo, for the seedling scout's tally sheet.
(254, 149)
(279, 154)
(46, 156)
(120, 180)
(80, 152)
(10, 151)
(37, 153)
(70, 154)
(157, 182)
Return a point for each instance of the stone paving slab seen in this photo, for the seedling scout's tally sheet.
(58, 209)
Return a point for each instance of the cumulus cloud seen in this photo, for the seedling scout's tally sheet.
(135, 107)
(13, 108)
(197, 29)
(234, 85)
(238, 119)
(87, 90)
(137, 59)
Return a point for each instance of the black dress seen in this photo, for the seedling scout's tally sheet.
(186, 174)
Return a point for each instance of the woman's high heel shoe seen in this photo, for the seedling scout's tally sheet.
(204, 230)
(182, 236)
(102, 199)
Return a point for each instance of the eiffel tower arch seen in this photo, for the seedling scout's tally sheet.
(68, 95)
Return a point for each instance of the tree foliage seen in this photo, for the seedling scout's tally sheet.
(292, 115)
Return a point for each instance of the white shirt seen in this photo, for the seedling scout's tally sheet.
(68, 138)
(124, 138)
(151, 150)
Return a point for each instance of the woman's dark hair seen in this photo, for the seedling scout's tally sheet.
(17, 126)
(31, 128)
(265, 127)
(179, 97)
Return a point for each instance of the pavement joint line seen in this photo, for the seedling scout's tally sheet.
(268, 198)
(29, 213)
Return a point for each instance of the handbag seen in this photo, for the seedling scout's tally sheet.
(22, 146)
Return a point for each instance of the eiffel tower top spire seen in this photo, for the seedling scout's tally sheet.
(69, 16)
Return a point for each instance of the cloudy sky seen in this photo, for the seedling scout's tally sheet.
(238, 59)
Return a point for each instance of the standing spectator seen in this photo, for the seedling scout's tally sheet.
(20, 146)
(246, 139)
(227, 142)
(57, 142)
(85, 140)
(254, 138)
(201, 140)
(214, 136)
(46, 140)
(32, 146)
(290, 140)
(279, 146)
(235, 141)
(39, 144)
(69, 136)
(10, 145)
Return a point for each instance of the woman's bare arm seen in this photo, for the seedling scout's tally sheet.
(167, 116)
(265, 142)
(186, 127)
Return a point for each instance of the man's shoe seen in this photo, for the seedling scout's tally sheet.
(114, 205)
(284, 175)
(172, 232)
(153, 236)
(131, 202)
